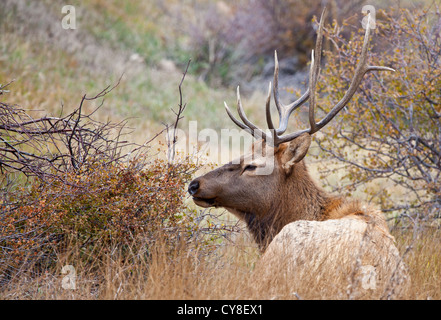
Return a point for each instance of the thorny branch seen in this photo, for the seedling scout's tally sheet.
(46, 146)
(181, 107)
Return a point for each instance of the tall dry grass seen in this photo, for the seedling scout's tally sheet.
(423, 260)
(227, 273)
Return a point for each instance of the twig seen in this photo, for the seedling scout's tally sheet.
(181, 107)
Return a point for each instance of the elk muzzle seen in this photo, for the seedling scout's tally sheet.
(193, 189)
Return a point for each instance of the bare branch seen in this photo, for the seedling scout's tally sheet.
(181, 107)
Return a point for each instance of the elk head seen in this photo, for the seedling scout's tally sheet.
(267, 202)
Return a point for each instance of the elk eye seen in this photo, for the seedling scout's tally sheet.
(250, 167)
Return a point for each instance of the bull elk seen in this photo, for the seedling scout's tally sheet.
(288, 215)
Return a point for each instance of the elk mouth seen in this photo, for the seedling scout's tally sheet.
(204, 202)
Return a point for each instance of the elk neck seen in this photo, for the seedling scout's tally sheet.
(302, 198)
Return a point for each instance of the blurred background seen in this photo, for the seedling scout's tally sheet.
(230, 43)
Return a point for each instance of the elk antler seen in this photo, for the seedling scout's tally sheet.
(285, 111)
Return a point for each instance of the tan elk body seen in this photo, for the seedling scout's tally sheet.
(299, 227)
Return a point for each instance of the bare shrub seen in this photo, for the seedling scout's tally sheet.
(49, 146)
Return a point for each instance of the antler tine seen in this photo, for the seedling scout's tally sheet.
(312, 87)
(315, 71)
(279, 105)
(360, 71)
(241, 113)
(284, 111)
(247, 124)
(269, 120)
(237, 122)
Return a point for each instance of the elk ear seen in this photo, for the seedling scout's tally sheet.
(295, 152)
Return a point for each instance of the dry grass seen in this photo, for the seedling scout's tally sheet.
(227, 273)
(423, 260)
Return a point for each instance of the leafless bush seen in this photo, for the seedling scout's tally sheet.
(49, 146)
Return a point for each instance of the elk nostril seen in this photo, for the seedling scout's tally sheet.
(193, 187)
